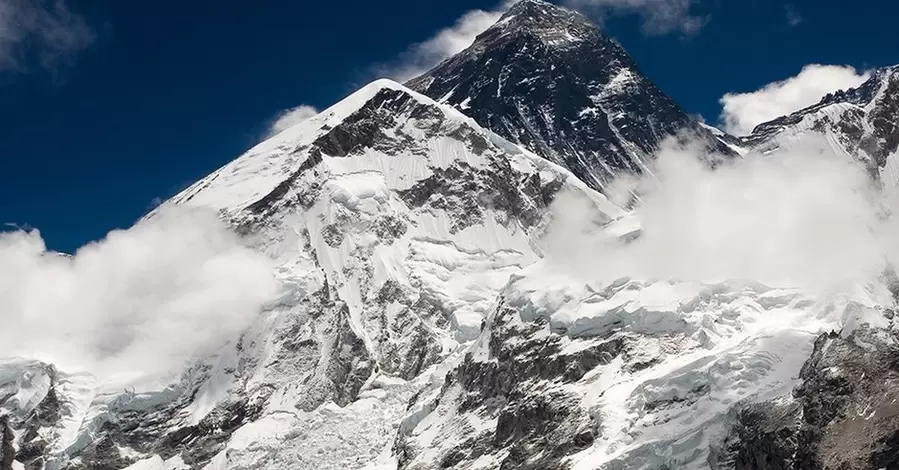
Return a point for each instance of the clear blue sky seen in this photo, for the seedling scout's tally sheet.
(168, 91)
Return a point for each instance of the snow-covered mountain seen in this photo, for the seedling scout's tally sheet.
(859, 122)
(420, 324)
(394, 222)
(547, 78)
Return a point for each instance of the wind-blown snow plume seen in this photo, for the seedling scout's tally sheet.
(805, 217)
(447, 42)
(143, 300)
(289, 118)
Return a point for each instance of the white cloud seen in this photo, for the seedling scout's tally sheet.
(793, 16)
(805, 217)
(45, 28)
(289, 118)
(173, 287)
(447, 42)
(659, 16)
(743, 111)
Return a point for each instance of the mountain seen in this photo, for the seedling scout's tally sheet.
(393, 223)
(422, 325)
(859, 122)
(548, 79)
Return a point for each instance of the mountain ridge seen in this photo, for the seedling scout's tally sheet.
(858, 119)
(422, 326)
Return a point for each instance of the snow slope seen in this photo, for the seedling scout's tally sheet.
(393, 222)
(584, 373)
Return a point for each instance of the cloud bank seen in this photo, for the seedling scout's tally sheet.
(743, 111)
(289, 118)
(44, 29)
(802, 218)
(144, 300)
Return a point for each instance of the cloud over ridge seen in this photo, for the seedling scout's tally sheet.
(174, 287)
(741, 112)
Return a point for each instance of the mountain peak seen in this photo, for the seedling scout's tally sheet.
(547, 78)
(550, 23)
(536, 9)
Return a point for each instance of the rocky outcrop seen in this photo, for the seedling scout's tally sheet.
(843, 415)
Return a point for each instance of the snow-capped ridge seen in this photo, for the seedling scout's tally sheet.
(858, 122)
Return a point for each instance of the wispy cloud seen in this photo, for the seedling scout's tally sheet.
(42, 33)
(449, 41)
(793, 16)
(743, 111)
(289, 118)
(659, 16)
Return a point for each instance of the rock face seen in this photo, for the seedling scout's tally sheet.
(548, 79)
(843, 415)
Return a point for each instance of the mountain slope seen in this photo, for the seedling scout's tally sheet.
(859, 122)
(392, 222)
(547, 78)
(577, 373)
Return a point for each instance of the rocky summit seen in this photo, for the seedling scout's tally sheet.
(548, 79)
(421, 326)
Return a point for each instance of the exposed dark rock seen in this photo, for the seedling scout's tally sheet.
(267, 203)
(102, 454)
(333, 235)
(388, 228)
(766, 438)
(845, 414)
(407, 345)
(197, 444)
(539, 423)
(349, 365)
(364, 127)
(7, 448)
(465, 192)
(30, 445)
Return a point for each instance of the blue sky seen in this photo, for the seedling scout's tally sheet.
(108, 106)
